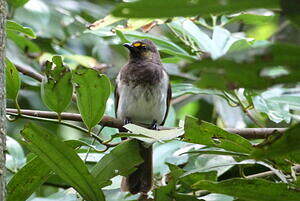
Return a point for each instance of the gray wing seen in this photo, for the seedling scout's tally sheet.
(168, 102)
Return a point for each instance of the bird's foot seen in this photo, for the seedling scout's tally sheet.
(127, 120)
(154, 125)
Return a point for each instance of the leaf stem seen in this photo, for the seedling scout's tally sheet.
(246, 111)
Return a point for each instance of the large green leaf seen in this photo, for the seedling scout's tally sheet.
(208, 134)
(281, 145)
(63, 160)
(276, 111)
(13, 81)
(14, 26)
(23, 42)
(31, 176)
(27, 180)
(117, 162)
(57, 88)
(17, 3)
(251, 189)
(92, 91)
(163, 44)
(216, 46)
(228, 71)
(169, 8)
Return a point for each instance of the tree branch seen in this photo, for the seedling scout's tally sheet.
(33, 74)
(248, 133)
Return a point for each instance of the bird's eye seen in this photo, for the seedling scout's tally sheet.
(144, 46)
(136, 44)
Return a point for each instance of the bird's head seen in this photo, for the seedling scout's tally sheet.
(143, 50)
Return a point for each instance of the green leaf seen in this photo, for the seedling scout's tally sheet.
(57, 88)
(31, 176)
(163, 193)
(279, 146)
(188, 179)
(208, 134)
(169, 8)
(186, 88)
(17, 3)
(23, 43)
(250, 189)
(14, 26)
(290, 9)
(15, 158)
(227, 71)
(63, 160)
(150, 136)
(117, 162)
(286, 99)
(92, 91)
(163, 44)
(27, 180)
(254, 19)
(13, 81)
(184, 197)
(276, 111)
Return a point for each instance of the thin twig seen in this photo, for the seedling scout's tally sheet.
(28, 72)
(246, 111)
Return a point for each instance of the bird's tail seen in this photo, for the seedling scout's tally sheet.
(140, 181)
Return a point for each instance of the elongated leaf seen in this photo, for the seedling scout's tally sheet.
(208, 134)
(17, 3)
(63, 160)
(57, 88)
(13, 81)
(251, 190)
(92, 90)
(282, 145)
(151, 136)
(254, 19)
(23, 42)
(163, 44)
(188, 179)
(186, 88)
(27, 180)
(31, 176)
(170, 8)
(117, 162)
(14, 26)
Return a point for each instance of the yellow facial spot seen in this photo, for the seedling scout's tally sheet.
(144, 45)
(136, 44)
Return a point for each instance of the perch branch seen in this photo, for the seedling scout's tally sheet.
(248, 133)
(28, 72)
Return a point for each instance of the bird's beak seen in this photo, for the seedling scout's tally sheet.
(128, 45)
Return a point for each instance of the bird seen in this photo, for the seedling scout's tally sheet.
(142, 95)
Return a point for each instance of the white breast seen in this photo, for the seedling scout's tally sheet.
(143, 104)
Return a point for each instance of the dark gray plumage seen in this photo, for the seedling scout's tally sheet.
(142, 95)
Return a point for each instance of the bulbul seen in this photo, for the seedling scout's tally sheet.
(142, 95)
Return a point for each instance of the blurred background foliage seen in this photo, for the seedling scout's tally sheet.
(234, 64)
